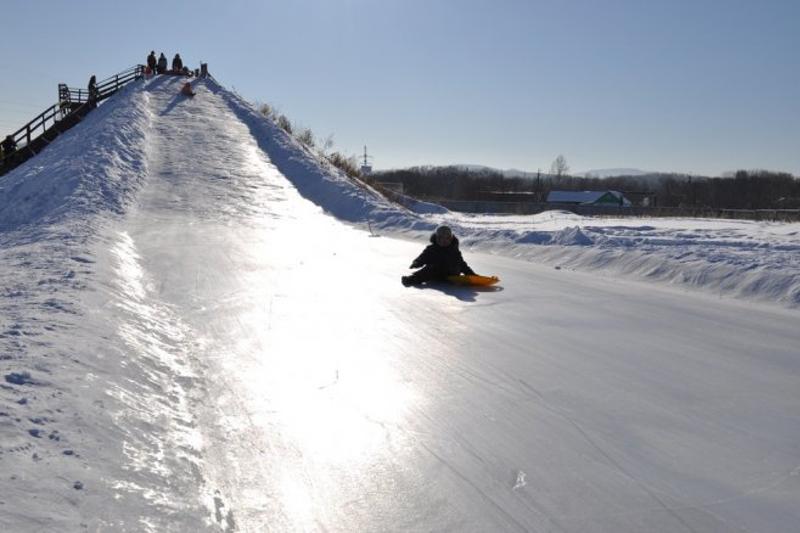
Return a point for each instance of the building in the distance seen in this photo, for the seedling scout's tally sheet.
(595, 198)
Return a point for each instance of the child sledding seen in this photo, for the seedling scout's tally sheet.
(442, 261)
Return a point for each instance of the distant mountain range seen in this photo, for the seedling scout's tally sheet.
(597, 173)
(601, 173)
(509, 173)
(611, 172)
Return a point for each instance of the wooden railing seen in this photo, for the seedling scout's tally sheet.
(73, 104)
(70, 95)
(44, 121)
(105, 88)
(109, 86)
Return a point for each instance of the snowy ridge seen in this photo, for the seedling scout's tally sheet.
(322, 183)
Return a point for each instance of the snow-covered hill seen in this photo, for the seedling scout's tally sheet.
(200, 330)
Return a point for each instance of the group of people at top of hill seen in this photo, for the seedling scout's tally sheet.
(159, 66)
(8, 146)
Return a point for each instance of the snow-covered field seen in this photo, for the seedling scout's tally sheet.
(759, 261)
(202, 328)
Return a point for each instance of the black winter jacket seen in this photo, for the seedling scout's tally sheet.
(445, 260)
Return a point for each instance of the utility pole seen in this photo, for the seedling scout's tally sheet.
(366, 168)
(539, 185)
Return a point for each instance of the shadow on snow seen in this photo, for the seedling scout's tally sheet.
(465, 293)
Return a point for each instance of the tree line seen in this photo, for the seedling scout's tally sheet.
(745, 189)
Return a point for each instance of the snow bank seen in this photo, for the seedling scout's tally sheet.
(94, 167)
(420, 207)
(745, 259)
(78, 415)
(572, 236)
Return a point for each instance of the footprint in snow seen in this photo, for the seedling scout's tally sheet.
(519, 481)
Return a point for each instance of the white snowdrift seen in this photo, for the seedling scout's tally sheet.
(92, 168)
(746, 259)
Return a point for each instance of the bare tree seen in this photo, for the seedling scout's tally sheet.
(306, 136)
(327, 144)
(285, 123)
(266, 110)
(559, 167)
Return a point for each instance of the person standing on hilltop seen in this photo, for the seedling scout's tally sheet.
(161, 67)
(177, 64)
(151, 62)
(92, 89)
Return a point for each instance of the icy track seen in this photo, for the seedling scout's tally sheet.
(199, 333)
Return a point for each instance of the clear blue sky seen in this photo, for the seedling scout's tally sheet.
(701, 86)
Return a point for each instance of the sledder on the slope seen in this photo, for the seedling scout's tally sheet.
(440, 260)
(186, 90)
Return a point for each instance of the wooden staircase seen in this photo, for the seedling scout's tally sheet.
(73, 105)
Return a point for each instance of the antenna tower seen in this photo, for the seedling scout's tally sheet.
(366, 168)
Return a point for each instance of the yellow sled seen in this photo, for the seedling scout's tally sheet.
(473, 280)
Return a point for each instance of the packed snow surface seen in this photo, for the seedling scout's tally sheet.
(202, 328)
